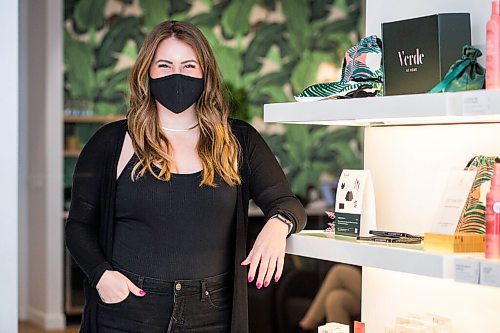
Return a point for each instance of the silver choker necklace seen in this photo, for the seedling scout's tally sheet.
(179, 130)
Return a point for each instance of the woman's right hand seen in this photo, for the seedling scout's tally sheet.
(114, 287)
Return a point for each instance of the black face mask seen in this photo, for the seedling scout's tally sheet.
(176, 92)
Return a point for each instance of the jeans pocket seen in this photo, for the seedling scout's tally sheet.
(130, 294)
(220, 299)
(121, 316)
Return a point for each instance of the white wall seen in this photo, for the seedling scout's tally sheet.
(379, 11)
(23, 162)
(55, 164)
(9, 95)
(410, 165)
(472, 308)
(416, 163)
(41, 226)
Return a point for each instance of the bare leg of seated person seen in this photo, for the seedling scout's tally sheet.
(341, 278)
(341, 306)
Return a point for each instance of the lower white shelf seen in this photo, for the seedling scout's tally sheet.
(395, 257)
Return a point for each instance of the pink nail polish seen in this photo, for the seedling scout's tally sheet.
(266, 283)
(276, 278)
(250, 278)
(259, 285)
(142, 292)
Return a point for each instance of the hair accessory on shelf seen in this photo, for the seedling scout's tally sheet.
(473, 214)
(465, 74)
(365, 90)
(362, 74)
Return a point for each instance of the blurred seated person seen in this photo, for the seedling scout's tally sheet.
(338, 299)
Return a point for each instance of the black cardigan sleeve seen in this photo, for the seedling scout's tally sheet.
(82, 224)
(269, 187)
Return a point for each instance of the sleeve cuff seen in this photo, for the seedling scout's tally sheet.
(290, 218)
(98, 271)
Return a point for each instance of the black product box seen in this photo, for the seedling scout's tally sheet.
(418, 52)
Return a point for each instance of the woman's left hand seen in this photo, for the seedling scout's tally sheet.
(268, 253)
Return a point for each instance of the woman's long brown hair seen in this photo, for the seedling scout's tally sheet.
(217, 147)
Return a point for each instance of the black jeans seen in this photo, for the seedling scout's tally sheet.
(202, 305)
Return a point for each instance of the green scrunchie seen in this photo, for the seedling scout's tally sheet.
(465, 74)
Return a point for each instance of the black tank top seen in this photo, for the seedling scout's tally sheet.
(173, 230)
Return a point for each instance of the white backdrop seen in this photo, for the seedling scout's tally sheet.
(378, 11)
(9, 36)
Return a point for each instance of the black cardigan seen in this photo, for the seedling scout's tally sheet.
(89, 226)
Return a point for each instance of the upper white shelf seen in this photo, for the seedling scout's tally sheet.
(478, 106)
(401, 258)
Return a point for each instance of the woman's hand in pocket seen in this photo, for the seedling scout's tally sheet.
(114, 287)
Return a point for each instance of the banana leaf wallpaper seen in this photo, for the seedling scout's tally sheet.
(267, 51)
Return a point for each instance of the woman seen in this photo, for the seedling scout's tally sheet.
(160, 201)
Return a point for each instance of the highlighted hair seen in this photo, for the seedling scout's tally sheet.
(217, 147)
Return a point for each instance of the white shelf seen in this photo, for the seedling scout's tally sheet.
(478, 106)
(401, 258)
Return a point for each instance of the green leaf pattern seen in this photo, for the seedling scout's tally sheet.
(473, 215)
(267, 51)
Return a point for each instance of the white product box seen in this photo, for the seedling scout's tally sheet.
(466, 270)
(490, 273)
(333, 328)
